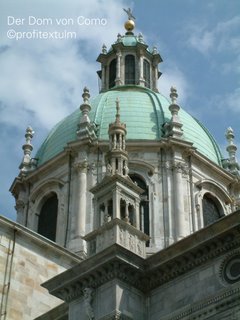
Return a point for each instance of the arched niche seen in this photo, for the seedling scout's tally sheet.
(47, 220)
(112, 73)
(212, 198)
(146, 73)
(212, 209)
(144, 203)
(130, 76)
(214, 188)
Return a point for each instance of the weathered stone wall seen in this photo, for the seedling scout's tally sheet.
(200, 293)
(109, 301)
(26, 261)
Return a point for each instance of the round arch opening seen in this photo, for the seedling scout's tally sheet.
(212, 209)
(47, 221)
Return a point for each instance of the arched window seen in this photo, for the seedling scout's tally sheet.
(112, 73)
(146, 73)
(211, 209)
(130, 69)
(47, 222)
(144, 204)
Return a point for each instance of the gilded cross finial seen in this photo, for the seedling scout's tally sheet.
(129, 13)
(129, 24)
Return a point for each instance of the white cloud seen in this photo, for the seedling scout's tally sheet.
(231, 101)
(174, 77)
(42, 80)
(222, 37)
(223, 103)
(203, 40)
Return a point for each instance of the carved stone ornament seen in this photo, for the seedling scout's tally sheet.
(81, 166)
(230, 268)
(88, 296)
(20, 205)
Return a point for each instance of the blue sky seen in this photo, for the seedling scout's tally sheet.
(41, 80)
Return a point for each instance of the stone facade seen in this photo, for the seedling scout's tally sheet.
(196, 278)
(27, 260)
(153, 217)
(178, 178)
(177, 181)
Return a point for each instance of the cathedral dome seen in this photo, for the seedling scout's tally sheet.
(144, 112)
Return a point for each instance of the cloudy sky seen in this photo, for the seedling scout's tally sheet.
(41, 80)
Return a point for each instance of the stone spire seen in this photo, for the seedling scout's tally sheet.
(232, 163)
(85, 127)
(117, 162)
(117, 200)
(85, 107)
(174, 127)
(26, 164)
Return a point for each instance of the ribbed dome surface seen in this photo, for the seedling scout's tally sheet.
(144, 113)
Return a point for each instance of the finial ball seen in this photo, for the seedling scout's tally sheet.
(129, 25)
(173, 95)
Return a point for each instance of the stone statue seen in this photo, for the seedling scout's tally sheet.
(126, 169)
(87, 295)
(109, 169)
(107, 218)
(129, 13)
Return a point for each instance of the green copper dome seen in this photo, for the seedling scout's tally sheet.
(144, 113)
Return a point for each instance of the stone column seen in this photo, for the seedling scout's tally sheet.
(155, 77)
(80, 201)
(136, 215)
(20, 205)
(118, 81)
(116, 204)
(141, 79)
(167, 199)
(142, 217)
(103, 77)
(126, 219)
(178, 201)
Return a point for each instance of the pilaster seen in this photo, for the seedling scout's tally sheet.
(178, 200)
(118, 80)
(20, 205)
(141, 79)
(77, 244)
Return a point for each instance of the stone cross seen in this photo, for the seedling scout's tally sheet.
(129, 13)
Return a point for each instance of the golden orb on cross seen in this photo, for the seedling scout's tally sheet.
(129, 25)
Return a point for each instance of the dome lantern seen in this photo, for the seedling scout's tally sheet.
(129, 61)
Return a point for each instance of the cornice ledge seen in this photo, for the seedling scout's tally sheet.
(114, 262)
(172, 265)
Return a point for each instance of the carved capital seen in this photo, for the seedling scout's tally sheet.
(20, 205)
(180, 167)
(166, 165)
(81, 166)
